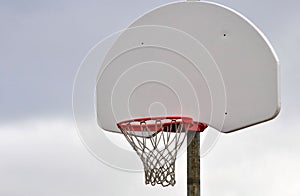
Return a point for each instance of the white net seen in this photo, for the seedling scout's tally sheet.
(157, 144)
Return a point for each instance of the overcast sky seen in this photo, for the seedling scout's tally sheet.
(42, 44)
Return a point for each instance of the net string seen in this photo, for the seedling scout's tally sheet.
(158, 152)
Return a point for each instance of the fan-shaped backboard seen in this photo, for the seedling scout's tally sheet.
(196, 59)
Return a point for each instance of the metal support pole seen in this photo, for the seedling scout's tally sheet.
(193, 164)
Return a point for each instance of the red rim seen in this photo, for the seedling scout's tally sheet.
(194, 126)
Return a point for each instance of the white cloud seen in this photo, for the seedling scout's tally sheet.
(46, 157)
(263, 160)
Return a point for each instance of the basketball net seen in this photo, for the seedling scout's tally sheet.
(157, 141)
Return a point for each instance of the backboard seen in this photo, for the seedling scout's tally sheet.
(195, 59)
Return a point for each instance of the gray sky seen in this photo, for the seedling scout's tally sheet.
(42, 46)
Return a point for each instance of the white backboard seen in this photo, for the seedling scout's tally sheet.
(196, 59)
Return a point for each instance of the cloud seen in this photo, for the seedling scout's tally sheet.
(46, 157)
(262, 160)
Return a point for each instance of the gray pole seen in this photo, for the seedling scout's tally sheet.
(193, 164)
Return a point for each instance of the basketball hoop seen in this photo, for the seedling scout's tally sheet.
(157, 141)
